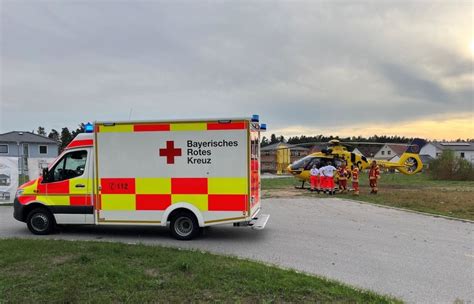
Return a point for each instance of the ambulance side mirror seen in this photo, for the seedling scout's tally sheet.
(45, 174)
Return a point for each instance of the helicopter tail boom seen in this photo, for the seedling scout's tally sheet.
(410, 161)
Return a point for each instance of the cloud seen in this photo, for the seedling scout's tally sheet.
(320, 65)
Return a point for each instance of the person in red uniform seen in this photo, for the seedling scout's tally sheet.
(355, 179)
(343, 176)
(314, 179)
(374, 175)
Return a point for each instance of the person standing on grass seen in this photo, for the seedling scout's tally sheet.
(328, 173)
(374, 175)
(343, 176)
(355, 179)
(314, 178)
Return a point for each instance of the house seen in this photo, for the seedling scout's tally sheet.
(461, 149)
(4, 180)
(367, 150)
(391, 151)
(18, 144)
(25, 146)
(426, 160)
(276, 157)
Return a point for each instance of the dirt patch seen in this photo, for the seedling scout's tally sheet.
(283, 193)
(59, 260)
(152, 272)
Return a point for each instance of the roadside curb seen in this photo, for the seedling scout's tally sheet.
(409, 210)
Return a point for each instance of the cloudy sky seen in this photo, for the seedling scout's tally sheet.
(336, 67)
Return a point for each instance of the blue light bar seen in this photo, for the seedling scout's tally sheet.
(255, 118)
(89, 128)
(263, 127)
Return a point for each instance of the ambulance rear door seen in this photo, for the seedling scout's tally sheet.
(254, 171)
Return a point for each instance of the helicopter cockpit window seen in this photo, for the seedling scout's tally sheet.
(315, 161)
(301, 164)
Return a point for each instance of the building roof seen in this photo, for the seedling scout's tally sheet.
(25, 137)
(280, 145)
(455, 146)
(398, 149)
(369, 150)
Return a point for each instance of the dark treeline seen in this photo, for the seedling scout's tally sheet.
(64, 137)
(321, 138)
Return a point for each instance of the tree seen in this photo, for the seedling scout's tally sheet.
(66, 138)
(54, 135)
(41, 131)
(80, 129)
(264, 142)
(273, 139)
(450, 167)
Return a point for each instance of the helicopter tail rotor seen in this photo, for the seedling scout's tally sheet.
(410, 163)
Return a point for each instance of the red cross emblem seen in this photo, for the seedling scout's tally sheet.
(170, 152)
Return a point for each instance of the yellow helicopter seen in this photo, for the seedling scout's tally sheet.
(336, 154)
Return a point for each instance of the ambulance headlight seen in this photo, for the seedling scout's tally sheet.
(19, 192)
(89, 128)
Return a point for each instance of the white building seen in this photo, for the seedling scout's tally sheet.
(461, 149)
(389, 151)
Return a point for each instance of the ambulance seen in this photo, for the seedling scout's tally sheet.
(181, 174)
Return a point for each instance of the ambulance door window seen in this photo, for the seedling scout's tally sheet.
(72, 165)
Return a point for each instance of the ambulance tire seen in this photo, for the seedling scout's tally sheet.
(184, 226)
(40, 221)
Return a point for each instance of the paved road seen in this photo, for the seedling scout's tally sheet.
(418, 258)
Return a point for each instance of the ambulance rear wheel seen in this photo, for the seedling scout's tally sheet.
(40, 221)
(184, 226)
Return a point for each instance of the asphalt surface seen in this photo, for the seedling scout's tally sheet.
(414, 257)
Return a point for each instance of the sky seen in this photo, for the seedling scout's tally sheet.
(344, 68)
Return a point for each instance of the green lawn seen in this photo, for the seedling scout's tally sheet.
(418, 192)
(44, 271)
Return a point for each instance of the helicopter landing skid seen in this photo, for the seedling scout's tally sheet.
(302, 186)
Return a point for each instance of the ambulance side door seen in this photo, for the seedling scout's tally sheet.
(68, 186)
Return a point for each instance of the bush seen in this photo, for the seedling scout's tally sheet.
(450, 167)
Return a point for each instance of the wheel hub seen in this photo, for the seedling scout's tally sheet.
(183, 226)
(39, 222)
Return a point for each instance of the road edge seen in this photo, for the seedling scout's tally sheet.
(409, 210)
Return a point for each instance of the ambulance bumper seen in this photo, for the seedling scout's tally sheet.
(18, 210)
(259, 222)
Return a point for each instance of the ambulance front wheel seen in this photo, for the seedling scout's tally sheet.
(184, 226)
(40, 221)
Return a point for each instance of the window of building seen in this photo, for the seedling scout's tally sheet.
(462, 154)
(389, 152)
(4, 149)
(43, 149)
(383, 152)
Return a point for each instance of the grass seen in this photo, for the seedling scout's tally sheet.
(418, 192)
(60, 271)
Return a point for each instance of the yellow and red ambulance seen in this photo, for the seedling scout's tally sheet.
(186, 174)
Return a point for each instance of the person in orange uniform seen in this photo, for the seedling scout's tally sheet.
(314, 179)
(374, 175)
(343, 176)
(355, 179)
